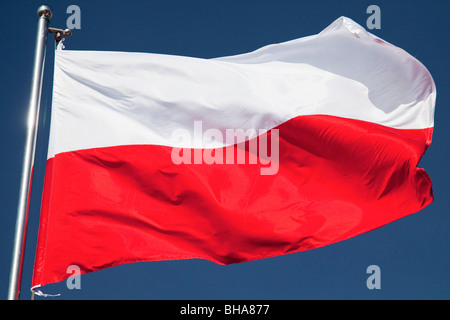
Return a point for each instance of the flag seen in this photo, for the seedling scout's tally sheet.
(292, 147)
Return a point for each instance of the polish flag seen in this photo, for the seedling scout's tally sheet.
(288, 148)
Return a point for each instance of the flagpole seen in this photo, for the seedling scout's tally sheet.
(44, 15)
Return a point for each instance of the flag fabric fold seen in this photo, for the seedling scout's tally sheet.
(288, 148)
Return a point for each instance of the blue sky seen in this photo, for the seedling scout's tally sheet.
(412, 253)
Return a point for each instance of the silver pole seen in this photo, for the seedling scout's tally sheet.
(44, 15)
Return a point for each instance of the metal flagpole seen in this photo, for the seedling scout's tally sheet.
(44, 15)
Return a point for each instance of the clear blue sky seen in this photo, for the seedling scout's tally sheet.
(412, 253)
